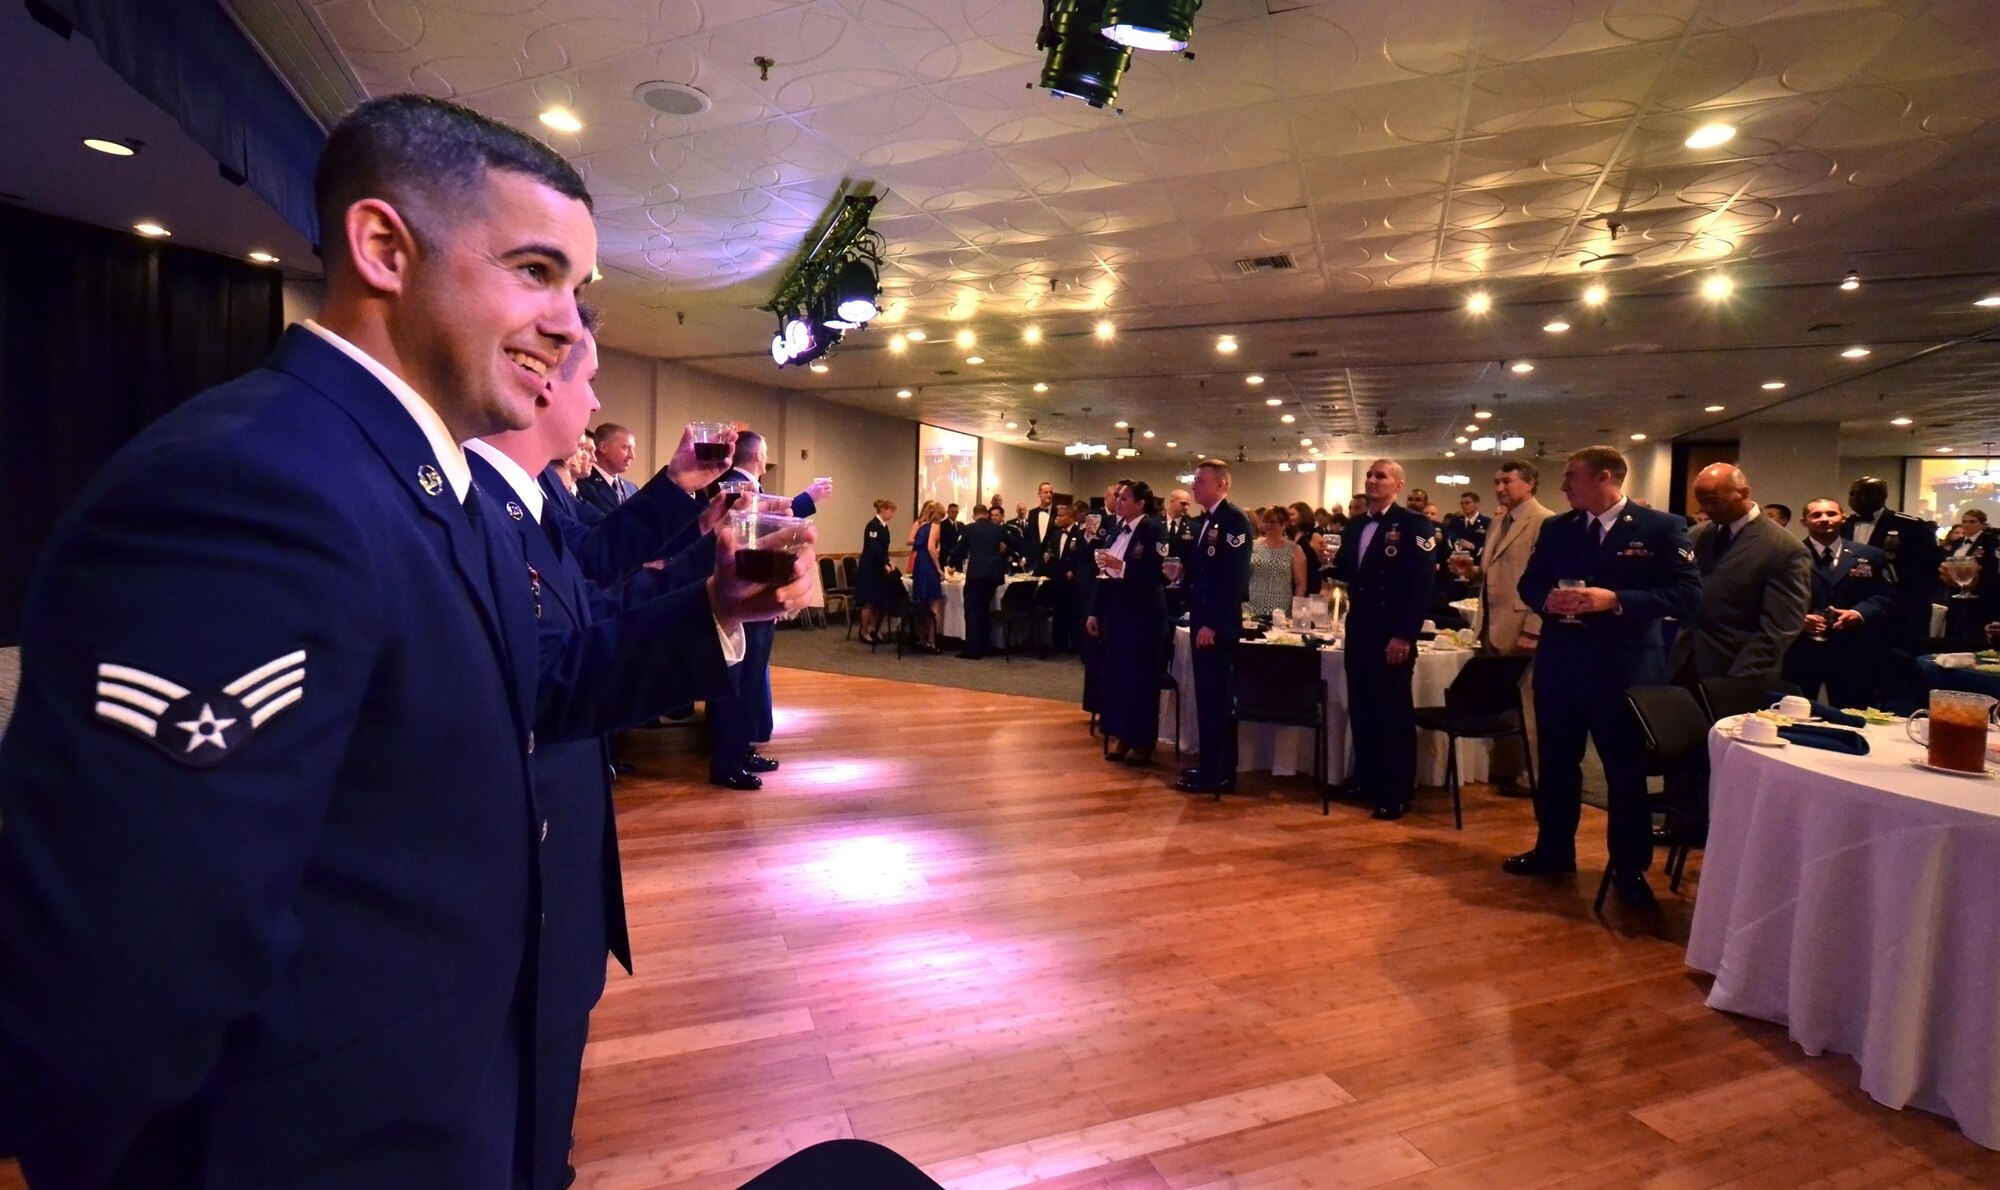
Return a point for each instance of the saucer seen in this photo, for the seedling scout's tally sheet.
(1735, 733)
(1985, 775)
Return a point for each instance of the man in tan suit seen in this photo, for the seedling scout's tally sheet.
(1507, 625)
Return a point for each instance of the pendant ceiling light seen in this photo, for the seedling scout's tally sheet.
(1150, 24)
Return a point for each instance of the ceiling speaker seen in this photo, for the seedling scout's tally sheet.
(672, 99)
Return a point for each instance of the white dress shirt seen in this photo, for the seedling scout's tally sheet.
(1118, 546)
(524, 485)
(1864, 530)
(1608, 518)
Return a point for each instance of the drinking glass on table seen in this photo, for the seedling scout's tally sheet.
(1571, 584)
(1964, 572)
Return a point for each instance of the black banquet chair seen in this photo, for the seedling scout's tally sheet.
(1018, 606)
(1482, 703)
(1676, 733)
(901, 615)
(1723, 697)
(829, 585)
(1281, 685)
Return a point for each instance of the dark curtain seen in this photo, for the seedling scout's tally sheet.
(100, 333)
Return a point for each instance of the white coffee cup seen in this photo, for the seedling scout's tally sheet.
(1758, 730)
(1791, 706)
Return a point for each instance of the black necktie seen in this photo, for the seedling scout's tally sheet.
(1596, 532)
(1723, 536)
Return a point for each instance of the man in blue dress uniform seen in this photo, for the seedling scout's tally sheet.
(1389, 564)
(1851, 603)
(1603, 576)
(269, 905)
(1216, 580)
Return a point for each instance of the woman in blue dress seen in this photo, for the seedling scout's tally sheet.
(926, 578)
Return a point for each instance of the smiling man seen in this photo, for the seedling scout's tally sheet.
(267, 882)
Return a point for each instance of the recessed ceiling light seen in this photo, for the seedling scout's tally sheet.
(1481, 414)
(1305, 442)
(1771, 386)
(1945, 450)
(1105, 330)
(263, 258)
(966, 338)
(1856, 353)
(1557, 327)
(1253, 378)
(1288, 419)
(150, 229)
(975, 359)
(1225, 344)
(1451, 454)
(897, 343)
(1712, 408)
(1638, 437)
(115, 148)
(1478, 303)
(914, 336)
(562, 119)
(1172, 445)
(1473, 429)
(1013, 425)
(904, 393)
(1274, 401)
(1989, 302)
(818, 367)
(1595, 295)
(1461, 440)
(1521, 368)
(1709, 136)
(1041, 388)
(1851, 281)
(1032, 335)
(1147, 434)
(1717, 287)
(1122, 425)
(1899, 421)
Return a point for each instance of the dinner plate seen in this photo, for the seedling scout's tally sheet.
(1985, 775)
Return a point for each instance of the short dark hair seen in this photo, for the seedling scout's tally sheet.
(1977, 514)
(747, 442)
(1472, 496)
(1524, 469)
(424, 156)
(1602, 458)
(1784, 510)
(1216, 465)
(607, 429)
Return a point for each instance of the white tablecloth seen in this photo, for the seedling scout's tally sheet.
(1288, 750)
(953, 624)
(1854, 899)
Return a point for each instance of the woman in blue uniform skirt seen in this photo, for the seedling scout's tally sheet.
(1129, 617)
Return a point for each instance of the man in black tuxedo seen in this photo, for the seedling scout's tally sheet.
(1038, 529)
(948, 533)
(985, 545)
(606, 487)
(1851, 601)
(1067, 552)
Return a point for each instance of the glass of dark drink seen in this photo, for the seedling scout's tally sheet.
(1953, 730)
(768, 543)
(711, 441)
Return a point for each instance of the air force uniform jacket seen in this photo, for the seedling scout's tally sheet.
(1647, 560)
(269, 878)
(1389, 587)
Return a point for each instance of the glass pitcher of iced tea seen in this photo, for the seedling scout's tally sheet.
(1953, 730)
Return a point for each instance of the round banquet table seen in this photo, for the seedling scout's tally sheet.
(1285, 751)
(1983, 678)
(953, 624)
(1852, 899)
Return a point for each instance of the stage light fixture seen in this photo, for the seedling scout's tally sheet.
(855, 291)
(833, 289)
(1081, 64)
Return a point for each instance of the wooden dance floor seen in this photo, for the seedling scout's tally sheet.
(947, 925)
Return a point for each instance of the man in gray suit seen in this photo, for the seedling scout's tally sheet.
(1506, 624)
(1755, 581)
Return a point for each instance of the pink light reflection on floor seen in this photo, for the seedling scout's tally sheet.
(865, 870)
(851, 775)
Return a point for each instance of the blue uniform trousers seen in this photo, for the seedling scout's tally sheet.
(1566, 720)
(1382, 721)
(1214, 708)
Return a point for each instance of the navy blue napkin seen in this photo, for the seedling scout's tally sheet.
(1833, 739)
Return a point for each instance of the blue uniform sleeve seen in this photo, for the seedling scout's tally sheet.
(629, 668)
(802, 504)
(145, 901)
(608, 550)
(1880, 600)
(1417, 580)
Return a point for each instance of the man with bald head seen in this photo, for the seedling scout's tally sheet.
(1755, 581)
(1388, 560)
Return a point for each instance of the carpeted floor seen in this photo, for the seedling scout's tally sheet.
(1027, 674)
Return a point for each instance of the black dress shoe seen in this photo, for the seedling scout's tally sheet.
(1145, 757)
(1389, 813)
(568, 1178)
(757, 762)
(1534, 863)
(1190, 774)
(1634, 891)
(1119, 756)
(1511, 789)
(1197, 785)
(736, 780)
